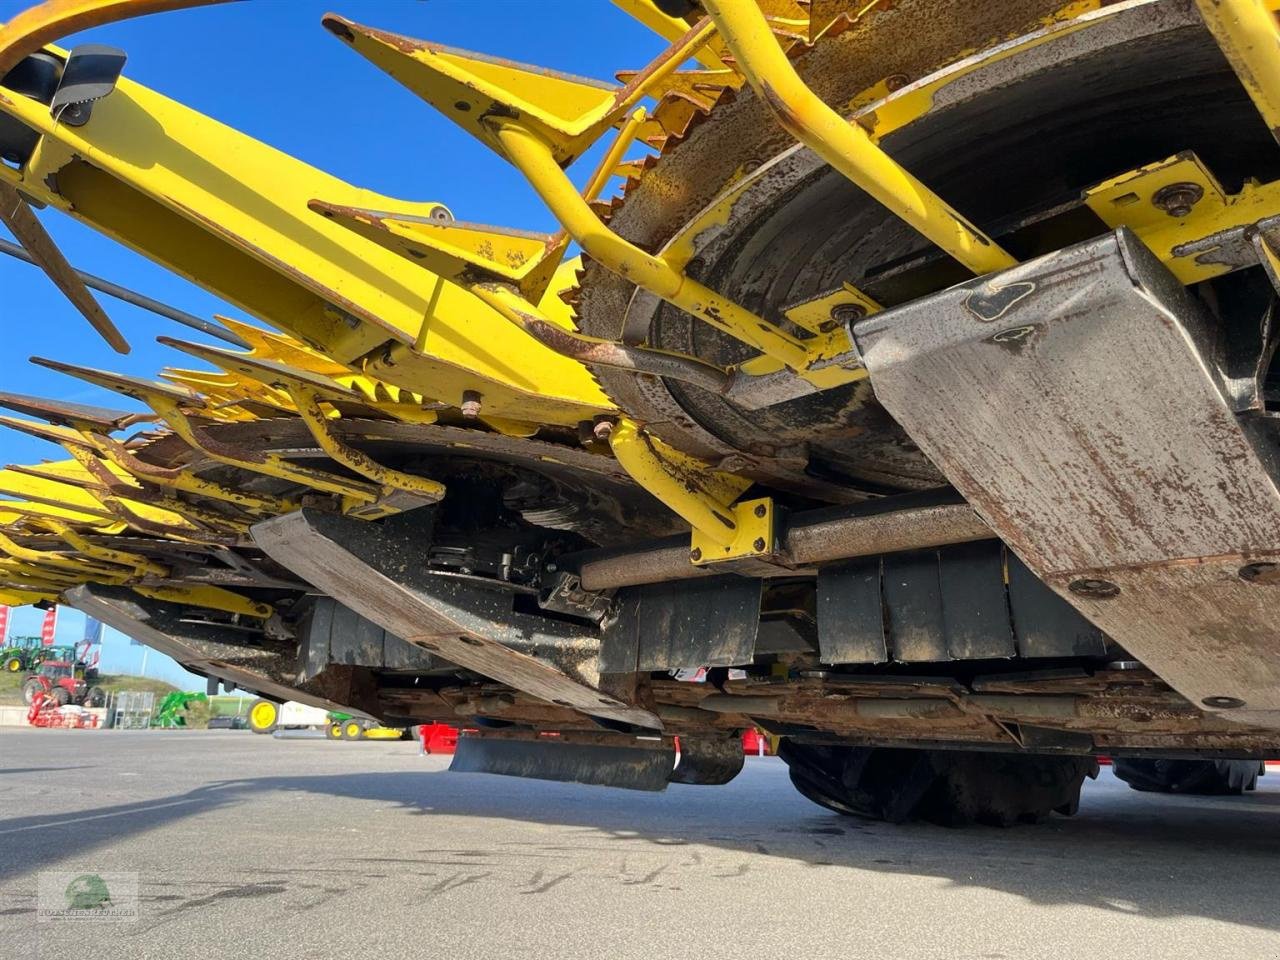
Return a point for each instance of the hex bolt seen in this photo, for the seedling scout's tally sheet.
(1264, 573)
(760, 510)
(1223, 703)
(602, 429)
(470, 403)
(1177, 199)
(758, 544)
(843, 315)
(1093, 589)
(695, 555)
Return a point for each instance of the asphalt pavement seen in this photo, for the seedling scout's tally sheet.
(246, 846)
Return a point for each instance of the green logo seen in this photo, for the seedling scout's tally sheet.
(87, 892)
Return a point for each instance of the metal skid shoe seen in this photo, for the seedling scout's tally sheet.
(1080, 404)
(381, 572)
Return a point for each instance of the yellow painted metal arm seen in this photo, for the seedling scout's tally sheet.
(212, 598)
(722, 529)
(845, 146)
(141, 565)
(262, 249)
(654, 274)
(669, 27)
(307, 402)
(57, 561)
(1249, 34)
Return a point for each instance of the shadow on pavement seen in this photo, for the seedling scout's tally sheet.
(1156, 856)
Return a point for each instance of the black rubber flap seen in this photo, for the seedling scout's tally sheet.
(640, 767)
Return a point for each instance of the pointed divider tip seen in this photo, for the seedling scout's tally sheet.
(567, 112)
(133, 387)
(263, 371)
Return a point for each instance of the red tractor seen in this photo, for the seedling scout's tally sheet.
(62, 682)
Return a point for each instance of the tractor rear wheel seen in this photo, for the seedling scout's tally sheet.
(13, 664)
(1195, 777)
(949, 787)
(30, 689)
(264, 716)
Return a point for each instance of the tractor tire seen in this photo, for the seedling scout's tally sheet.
(1205, 778)
(59, 696)
(264, 716)
(952, 788)
(13, 664)
(352, 730)
(30, 689)
(96, 697)
(333, 731)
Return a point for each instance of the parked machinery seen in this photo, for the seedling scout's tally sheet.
(915, 393)
(61, 683)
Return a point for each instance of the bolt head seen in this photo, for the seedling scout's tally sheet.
(1177, 199)
(758, 544)
(844, 314)
(1263, 573)
(695, 554)
(1093, 588)
(471, 403)
(602, 430)
(1223, 703)
(760, 510)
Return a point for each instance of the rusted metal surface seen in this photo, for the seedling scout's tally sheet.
(1075, 403)
(18, 216)
(807, 539)
(383, 578)
(610, 353)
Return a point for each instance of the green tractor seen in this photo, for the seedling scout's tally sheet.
(23, 654)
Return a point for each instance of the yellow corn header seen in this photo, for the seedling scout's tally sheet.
(826, 305)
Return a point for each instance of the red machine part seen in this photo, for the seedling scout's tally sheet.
(438, 737)
(47, 712)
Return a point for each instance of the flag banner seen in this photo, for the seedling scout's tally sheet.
(4, 626)
(50, 626)
(92, 632)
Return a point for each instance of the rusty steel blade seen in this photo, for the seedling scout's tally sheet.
(22, 223)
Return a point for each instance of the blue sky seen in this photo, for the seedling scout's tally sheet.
(270, 69)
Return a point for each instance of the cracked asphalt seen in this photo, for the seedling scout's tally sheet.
(249, 846)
